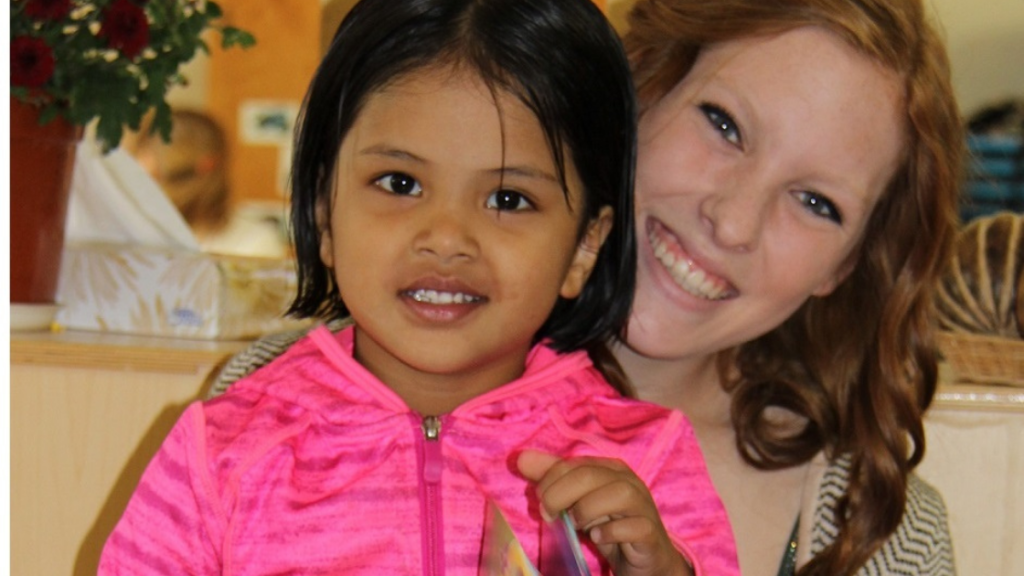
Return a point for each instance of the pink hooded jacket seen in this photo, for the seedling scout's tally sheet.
(313, 466)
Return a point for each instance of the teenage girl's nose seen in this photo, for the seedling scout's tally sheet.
(735, 214)
(445, 231)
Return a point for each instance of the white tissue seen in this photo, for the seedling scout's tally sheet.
(113, 199)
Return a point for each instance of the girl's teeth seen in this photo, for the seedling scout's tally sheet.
(442, 298)
(693, 280)
(659, 249)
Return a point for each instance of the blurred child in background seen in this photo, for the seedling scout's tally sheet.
(192, 170)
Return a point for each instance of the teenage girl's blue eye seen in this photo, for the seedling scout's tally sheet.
(399, 183)
(820, 206)
(508, 201)
(721, 120)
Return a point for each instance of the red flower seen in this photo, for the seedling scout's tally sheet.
(48, 9)
(31, 62)
(125, 27)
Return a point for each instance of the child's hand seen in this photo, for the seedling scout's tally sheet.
(610, 504)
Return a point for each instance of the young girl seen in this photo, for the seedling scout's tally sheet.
(462, 184)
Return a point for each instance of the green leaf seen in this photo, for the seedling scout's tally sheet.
(232, 36)
(47, 114)
(213, 10)
(108, 132)
(162, 121)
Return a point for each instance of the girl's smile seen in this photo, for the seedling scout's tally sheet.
(440, 300)
(756, 175)
(681, 266)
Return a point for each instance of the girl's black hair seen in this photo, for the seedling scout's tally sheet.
(561, 58)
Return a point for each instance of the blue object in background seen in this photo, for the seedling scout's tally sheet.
(995, 176)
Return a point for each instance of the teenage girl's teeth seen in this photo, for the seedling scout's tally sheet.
(694, 281)
(442, 298)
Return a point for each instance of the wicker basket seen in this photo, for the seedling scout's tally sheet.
(983, 359)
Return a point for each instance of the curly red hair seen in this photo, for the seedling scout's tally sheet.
(861, 363)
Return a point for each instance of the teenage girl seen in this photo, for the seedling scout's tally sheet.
(462, 189)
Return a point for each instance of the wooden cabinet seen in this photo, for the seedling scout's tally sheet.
(975, 457)
(88, 411)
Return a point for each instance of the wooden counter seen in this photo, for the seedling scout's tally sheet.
(89, 410)
(975, 457)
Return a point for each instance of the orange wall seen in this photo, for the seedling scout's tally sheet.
(278, 67)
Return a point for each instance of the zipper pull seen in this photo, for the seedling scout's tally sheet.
(431, 428)
(432, 460)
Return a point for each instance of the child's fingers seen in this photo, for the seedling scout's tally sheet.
(568, 483)
(537, 466)
(533, 464)
(639, 533)
(549, 472)
(617, 498)
(638, 545)
(609, 503)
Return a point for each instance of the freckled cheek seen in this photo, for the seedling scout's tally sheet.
(669, 172)
(790, 288)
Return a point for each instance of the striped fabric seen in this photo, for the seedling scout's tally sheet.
(260, 353)
(921, 545)
(312, 466)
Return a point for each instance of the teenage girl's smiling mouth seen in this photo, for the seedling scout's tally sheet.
(687, 274)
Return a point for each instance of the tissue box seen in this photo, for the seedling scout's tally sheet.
(165, 292)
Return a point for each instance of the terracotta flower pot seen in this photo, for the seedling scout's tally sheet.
(42, 162)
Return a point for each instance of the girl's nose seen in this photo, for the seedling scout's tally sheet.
(736, 216)
(446, 233)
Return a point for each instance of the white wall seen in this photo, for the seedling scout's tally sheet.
(986, 48)
(193, 95)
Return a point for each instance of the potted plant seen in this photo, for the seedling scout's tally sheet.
(75, 63)
(108, 60)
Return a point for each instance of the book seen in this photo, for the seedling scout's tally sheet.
(504, 554)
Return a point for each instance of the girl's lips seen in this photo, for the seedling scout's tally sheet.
(441, 299)
(425, 296)
(686, 274)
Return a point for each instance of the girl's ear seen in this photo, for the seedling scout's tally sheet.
(586, 253)
(323, 225)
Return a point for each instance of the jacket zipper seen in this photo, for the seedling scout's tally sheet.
(431, 466)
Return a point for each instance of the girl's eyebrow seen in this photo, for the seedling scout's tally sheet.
(525, 172)
(389, 152)
(519, 171)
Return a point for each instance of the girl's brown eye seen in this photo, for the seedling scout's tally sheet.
(508, 201)
(399, 183)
